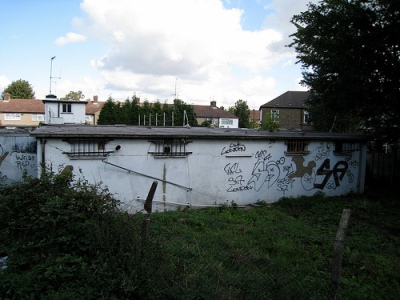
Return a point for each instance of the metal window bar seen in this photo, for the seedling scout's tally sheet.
(88, 148)
(170, 148)
(297, 146)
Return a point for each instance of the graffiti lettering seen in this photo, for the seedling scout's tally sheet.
(239, 188)
(284, 184)
(232, 169)
(338, 172)
(322, 152)
(233, 148)
(238, 180)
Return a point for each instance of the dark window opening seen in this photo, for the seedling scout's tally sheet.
(297, 147)
(170, 148)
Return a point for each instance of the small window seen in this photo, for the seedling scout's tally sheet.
(170, 148)
(66, 108)
(12, 117)
(89, 119)
(345, 147)
(89, 149)
(275, 115)
(38, 117)
(297, 147)
(306, 117)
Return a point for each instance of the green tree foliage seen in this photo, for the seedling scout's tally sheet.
(149, 114)
(268, 124)
(19, 89)
(110, 113)
(241, 110)
(74, 96)
(66, 241)
(350, 55)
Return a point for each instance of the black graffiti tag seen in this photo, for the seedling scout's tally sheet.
(338, 172)
(233, 148)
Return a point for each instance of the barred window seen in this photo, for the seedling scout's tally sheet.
(297, 147)
(170, 148)
(346, 147)
(88, 148)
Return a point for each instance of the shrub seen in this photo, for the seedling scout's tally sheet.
(66, 239)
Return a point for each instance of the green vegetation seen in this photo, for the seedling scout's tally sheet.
(69, 240)
(353, 81)
(131, 112)
(19, 89)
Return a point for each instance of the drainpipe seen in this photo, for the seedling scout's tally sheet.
(43, 148)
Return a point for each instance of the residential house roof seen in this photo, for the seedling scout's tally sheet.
(289, 99)
(212, 111)
(22, 106)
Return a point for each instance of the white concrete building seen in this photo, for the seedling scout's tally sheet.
(200, 167)
(64, 111)
(18, 155)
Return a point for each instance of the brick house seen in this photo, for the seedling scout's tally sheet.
(288, 110)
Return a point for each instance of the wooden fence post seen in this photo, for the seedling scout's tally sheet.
(338, 247)
(146, 221)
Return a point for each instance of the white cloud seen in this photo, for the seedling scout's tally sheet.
(70, 37)
(153, 42)
(4, 82)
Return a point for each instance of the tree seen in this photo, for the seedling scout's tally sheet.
(110, 113)
(241, 110)
(20, 89)
(350, 56)
(74, 96)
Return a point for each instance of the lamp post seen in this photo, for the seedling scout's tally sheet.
(51, 71)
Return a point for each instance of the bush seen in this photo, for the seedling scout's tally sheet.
(66, 239)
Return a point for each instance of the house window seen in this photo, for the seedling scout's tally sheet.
(88, 148)
(38, 117)
(345, 147)
(275, 115)
(170, 148)
(12, 117)
(297, 147)
(89, 119)
(226, 122)
(66, 108)
(306, 117)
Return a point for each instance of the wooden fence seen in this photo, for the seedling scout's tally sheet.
(383, 168)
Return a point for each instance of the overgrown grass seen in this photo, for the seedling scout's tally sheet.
(70, 241)
(278, 252)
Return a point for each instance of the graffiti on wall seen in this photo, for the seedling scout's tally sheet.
(281, 174)
(19, 157)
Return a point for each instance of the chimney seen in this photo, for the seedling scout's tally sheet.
(213, 103)
(95, 98)
(7, 96)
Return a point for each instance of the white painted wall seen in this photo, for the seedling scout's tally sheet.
(55, 115)
(17, 154)
(217, 172)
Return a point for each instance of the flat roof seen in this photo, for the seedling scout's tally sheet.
(142, 132)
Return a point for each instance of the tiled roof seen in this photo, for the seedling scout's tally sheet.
(21, 106)
(94, 107)
(208, 111)
(289, 99)
(37, 106)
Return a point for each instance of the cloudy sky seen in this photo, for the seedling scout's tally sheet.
(199, 50)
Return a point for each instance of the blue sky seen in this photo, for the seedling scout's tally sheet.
(222, 50)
